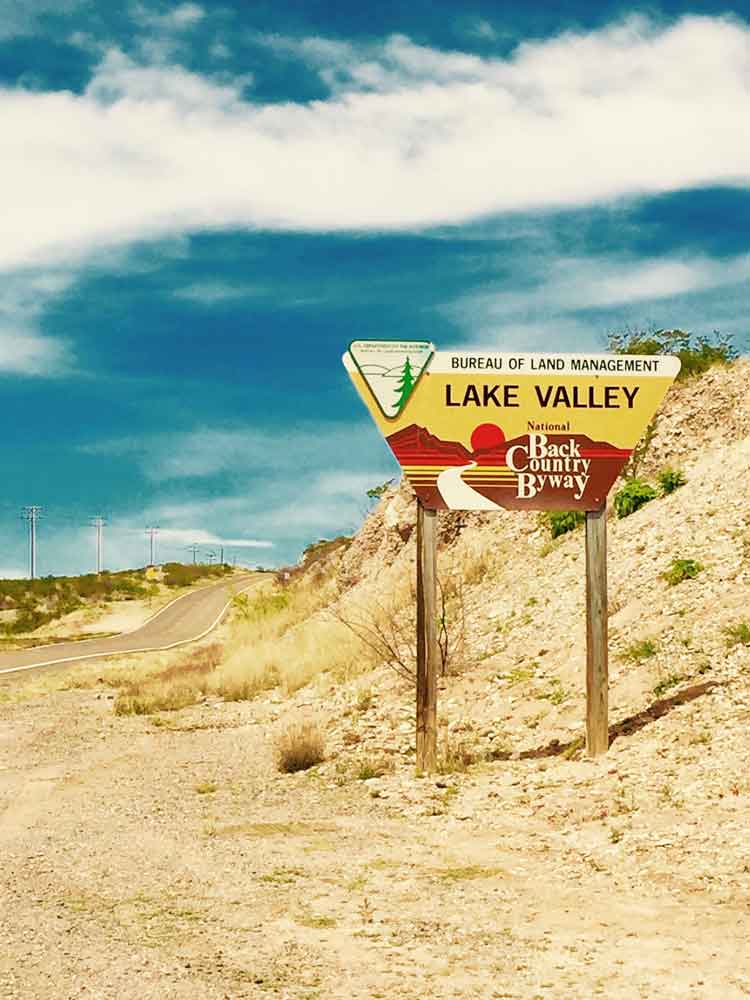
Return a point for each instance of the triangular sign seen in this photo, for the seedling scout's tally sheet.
(485, 431)
(391, 369)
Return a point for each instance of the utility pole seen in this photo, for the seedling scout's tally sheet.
(428, 653)
(597, 654)
(98, 523)
(151, 534)
(31, 514)
(193, 548)
(221, 558)
(211, 557)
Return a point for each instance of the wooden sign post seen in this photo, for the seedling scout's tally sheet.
(597, 654)
(427, 646)
(491, 431)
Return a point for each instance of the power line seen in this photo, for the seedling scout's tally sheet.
(31, 514)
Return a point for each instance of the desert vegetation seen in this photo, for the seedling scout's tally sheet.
(186, 574)
(559, 522)
(300, 746)
(278, 758)
(37, 602)
(697, 353)
(26, 605)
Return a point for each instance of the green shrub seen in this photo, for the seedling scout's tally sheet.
(377, 491)
(632, 496)
(681, 569)
(642, 649)
(668, 681)
(185, 574)
(40, 601)
(262, 605)
(560, 522)
(697, 354)
(29, 619)
(738, 635)
(671, 480)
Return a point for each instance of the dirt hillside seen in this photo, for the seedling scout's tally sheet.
(165, 855)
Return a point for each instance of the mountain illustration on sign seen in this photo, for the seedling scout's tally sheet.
(489, 472)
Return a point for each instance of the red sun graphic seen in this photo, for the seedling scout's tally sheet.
(487, 436)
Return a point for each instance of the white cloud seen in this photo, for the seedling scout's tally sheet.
(647, 280)
(119, 78)
(442, 137)
(22, 17)
(207, 452)
(341, 483)
(533, 335)
(209, 293)
(181, 18)
(23, 299)
(570, 284)
(484, 30)
(276, 491)
(246, 543)
(220, 50)
(186, 15)
(198, 536)
(25, 353)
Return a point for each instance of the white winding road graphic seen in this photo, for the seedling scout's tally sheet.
(458, 495)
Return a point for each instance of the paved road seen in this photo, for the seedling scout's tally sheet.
(188, 618)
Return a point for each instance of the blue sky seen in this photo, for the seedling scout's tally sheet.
(205, 202)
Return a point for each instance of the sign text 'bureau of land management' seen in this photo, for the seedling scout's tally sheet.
(486, 431)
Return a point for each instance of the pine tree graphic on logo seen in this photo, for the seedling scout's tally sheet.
(391, 370)
(405, 385)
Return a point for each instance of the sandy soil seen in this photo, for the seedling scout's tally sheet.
(121, 616)
(169, 859)
(150, 859)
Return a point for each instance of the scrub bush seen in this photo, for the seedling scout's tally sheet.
(632, 496)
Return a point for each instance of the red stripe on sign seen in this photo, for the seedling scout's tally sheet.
(428, 460)
(605, 454)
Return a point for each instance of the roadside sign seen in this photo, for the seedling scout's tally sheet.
(390, 370)
(487, 431)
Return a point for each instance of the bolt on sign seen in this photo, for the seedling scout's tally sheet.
(486, 431)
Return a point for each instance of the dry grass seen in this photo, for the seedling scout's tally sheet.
(300, 746)
(284, 639)
(85, 676)
(374, 767)
(278, 639)
(383, 619)
(474, 562)
(456, 757)
(180, 684)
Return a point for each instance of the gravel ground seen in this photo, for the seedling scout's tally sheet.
(168, 858)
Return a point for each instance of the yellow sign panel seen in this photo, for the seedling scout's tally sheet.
(484, 431)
